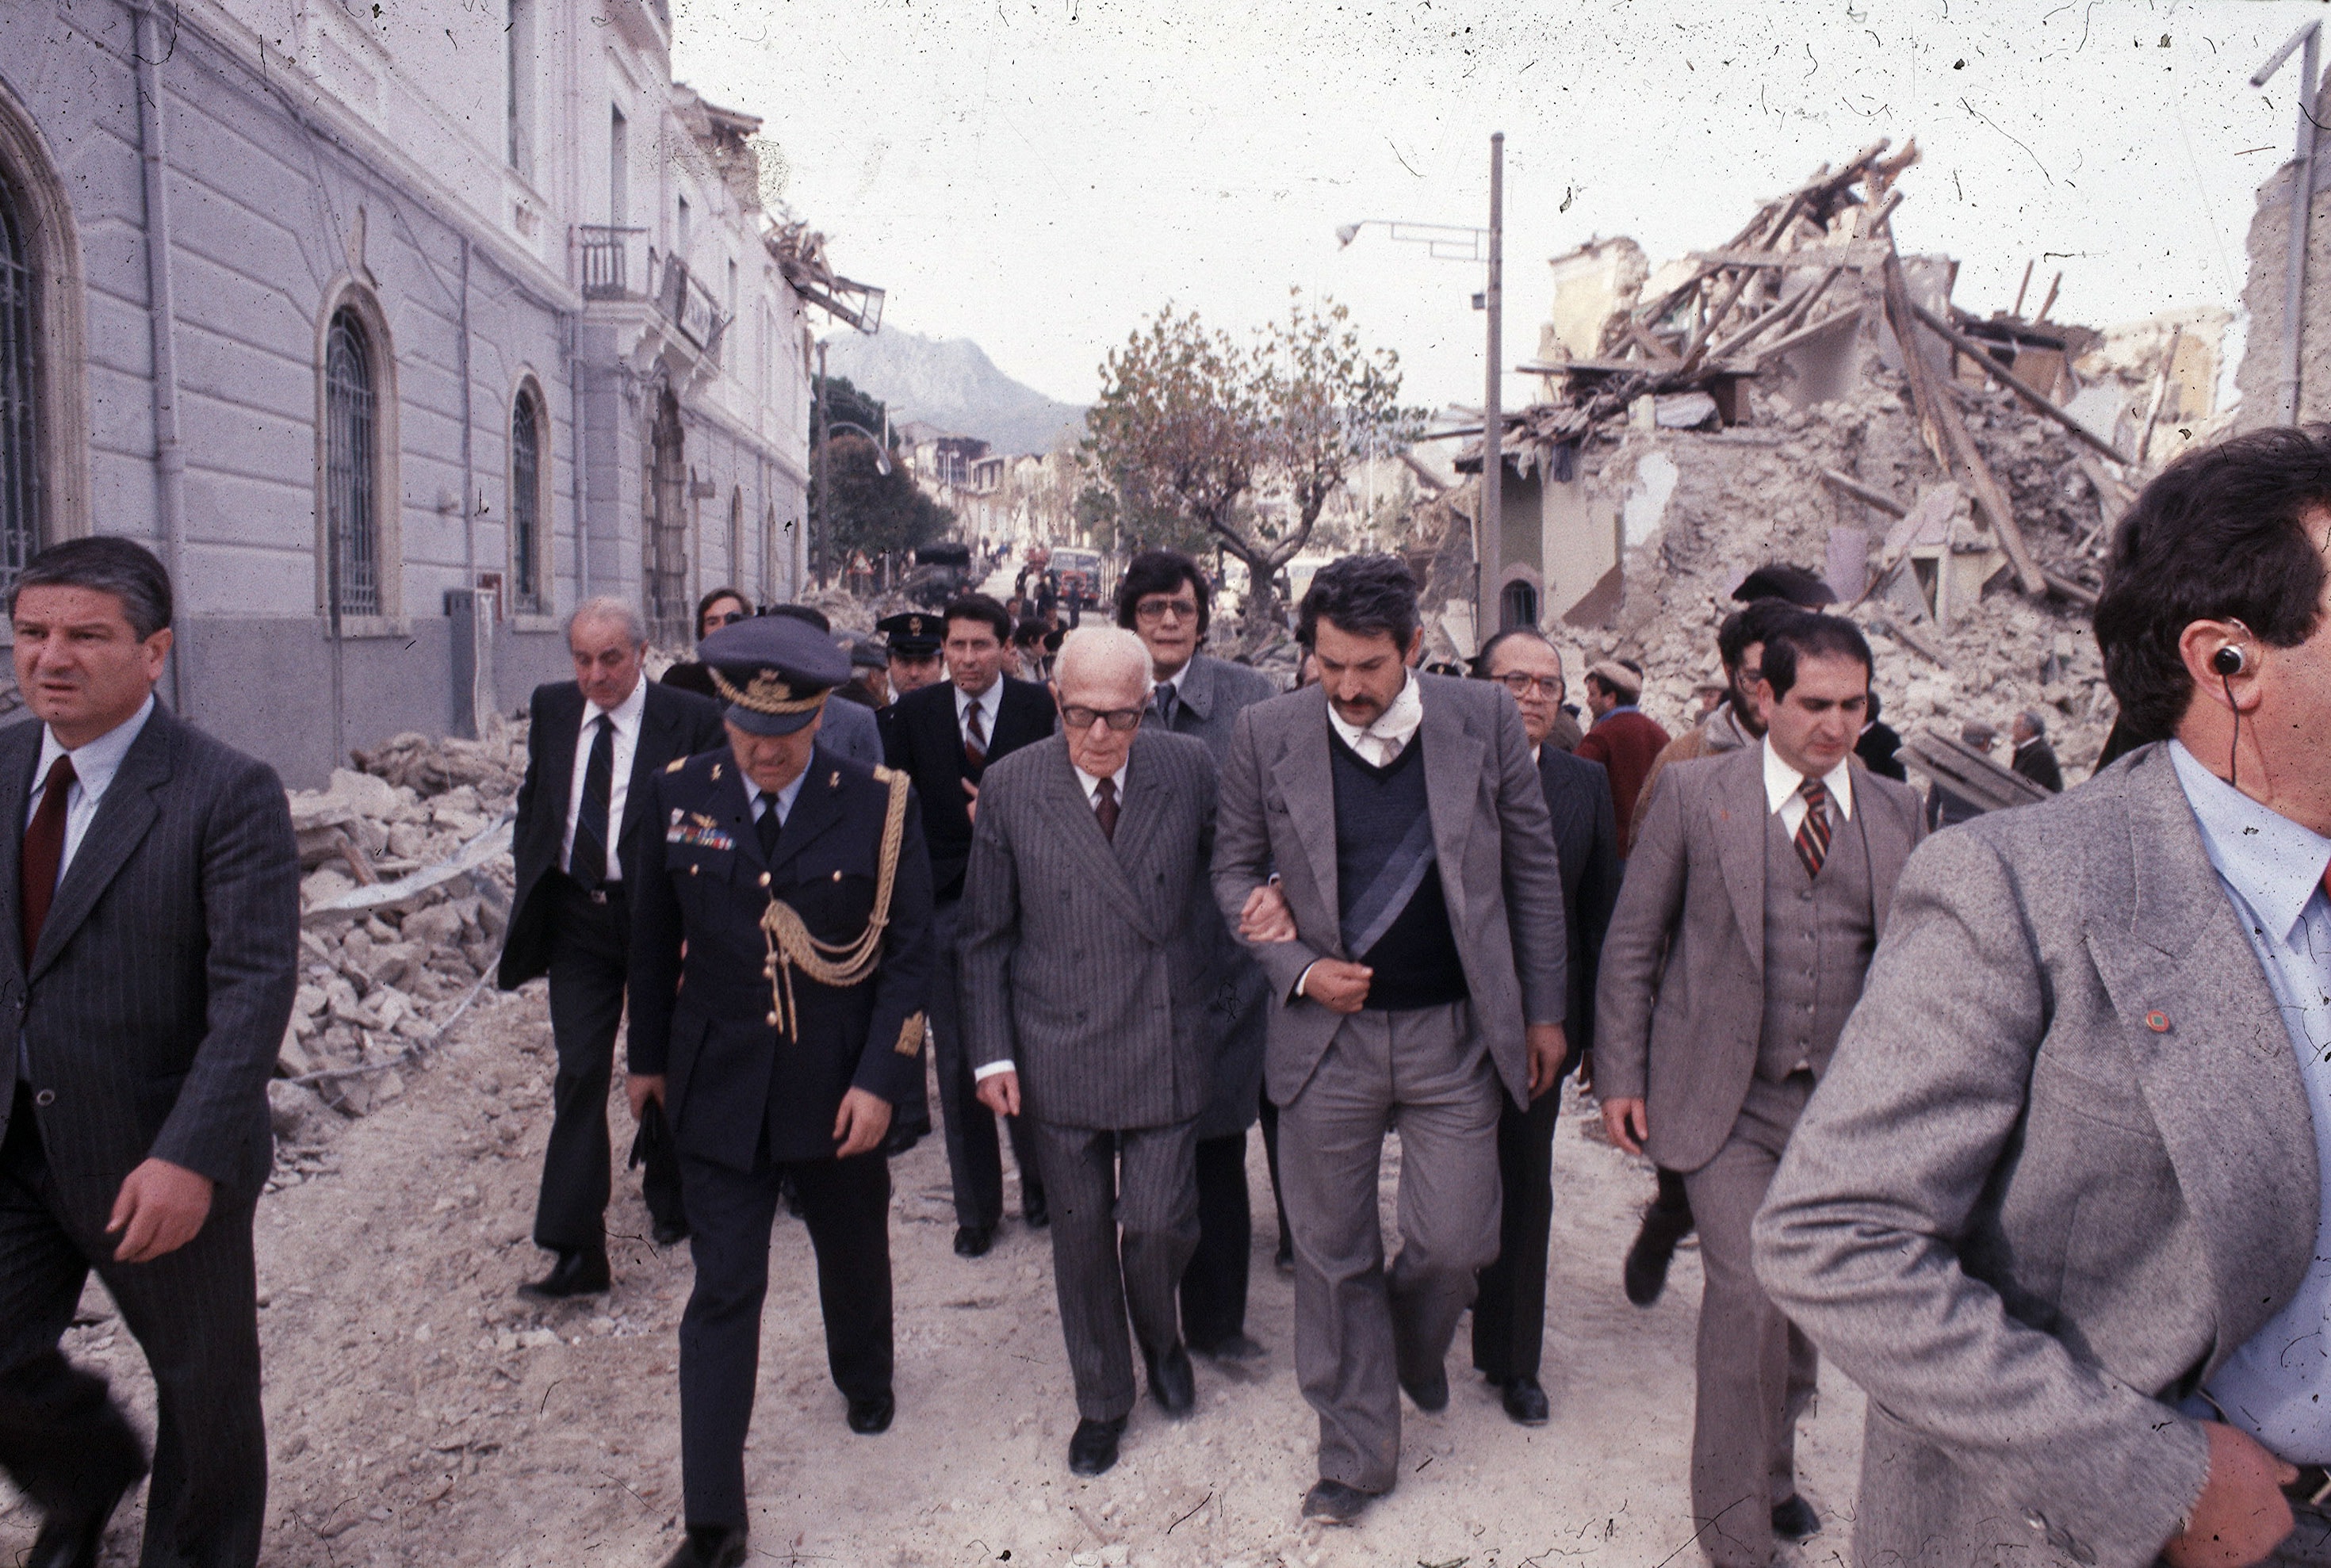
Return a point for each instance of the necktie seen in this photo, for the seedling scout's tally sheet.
(766, 827)
(44, 854)
(1812, 834)
(1105, 808)
(588, 864)
(975, 738)
(1164, 698)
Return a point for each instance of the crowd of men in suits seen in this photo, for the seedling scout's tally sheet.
(2027, 1126)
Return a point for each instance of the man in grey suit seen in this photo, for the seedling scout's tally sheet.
(1745, 925)
(149, 944)
(1085, 956)
(2059, 1205)
(1163, 598)
(1409, 831)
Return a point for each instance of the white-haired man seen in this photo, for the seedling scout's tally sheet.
(1085, 947)
(595, 742)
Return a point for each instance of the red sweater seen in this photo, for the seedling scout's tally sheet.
(1624, 741)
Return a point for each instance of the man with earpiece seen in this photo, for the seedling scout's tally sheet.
(2063, 1206)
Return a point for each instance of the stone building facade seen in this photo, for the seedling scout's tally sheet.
(396, 330)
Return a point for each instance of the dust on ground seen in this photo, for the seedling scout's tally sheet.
(419, 1413)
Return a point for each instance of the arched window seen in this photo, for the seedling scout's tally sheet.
(351, 464)
(1518, 605)
(526, 503)
(20, 429)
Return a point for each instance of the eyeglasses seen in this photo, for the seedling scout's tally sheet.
(1117, 718)
(1150, 612)
(1521, 686)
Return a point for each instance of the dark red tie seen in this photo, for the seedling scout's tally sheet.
(44, 852)
(974, 739)
(1812, 834)
(1105, 807)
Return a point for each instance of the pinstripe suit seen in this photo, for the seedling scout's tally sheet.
(1084, 965)
(149, 1014)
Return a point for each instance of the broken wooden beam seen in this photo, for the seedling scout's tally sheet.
(2065, 588)
(2039, 401)
(1861, 493)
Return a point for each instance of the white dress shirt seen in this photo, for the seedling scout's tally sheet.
(94, 765)
(627, 714)
(1382, 742)
(989, 703)
(1782, 782)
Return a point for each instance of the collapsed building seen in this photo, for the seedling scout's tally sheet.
(1755, 402)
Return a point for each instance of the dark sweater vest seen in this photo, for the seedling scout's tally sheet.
(1382, 822)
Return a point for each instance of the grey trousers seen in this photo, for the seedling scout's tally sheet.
(1359, 1326)
(1125, 1221)
(1755, 1369)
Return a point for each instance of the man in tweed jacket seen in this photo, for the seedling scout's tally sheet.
(150, 942)
(1085, 956)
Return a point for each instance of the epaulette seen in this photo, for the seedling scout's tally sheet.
(882, 775)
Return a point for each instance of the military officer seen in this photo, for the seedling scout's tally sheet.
(781, 950)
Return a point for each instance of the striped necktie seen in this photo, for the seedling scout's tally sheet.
(1812, 834)
(974, 738)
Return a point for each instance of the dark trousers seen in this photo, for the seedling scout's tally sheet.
(1122, 1233)
(195, 1314)
(1509, 1309)
(846, 1204)
(1268, 1114)
(1213, 1287)
(975, 1156)
(590, 950)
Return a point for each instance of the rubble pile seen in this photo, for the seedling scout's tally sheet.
(405, 896)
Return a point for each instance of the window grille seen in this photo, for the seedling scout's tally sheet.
(351, 433)
(20, 432)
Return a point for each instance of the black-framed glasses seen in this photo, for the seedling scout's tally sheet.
(1117, 718)
(1549, 686)
(1149, 611)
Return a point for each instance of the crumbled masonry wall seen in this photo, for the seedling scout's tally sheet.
(2262, 297)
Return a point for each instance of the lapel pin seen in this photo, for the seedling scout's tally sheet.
(2157, 1022)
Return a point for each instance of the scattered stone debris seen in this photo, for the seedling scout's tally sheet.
(424, 832)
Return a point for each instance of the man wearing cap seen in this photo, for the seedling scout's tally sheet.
(849, 731)
(869, 685)
(779, 961)
(595, 744)
(913, 642)
(1625, 740)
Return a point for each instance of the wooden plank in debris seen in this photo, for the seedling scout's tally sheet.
(1968, 772)
(358, 902)
(2039, 401)
(1786, 311)
(1861, 255)
(1938, 414)
(1781, 346)
(1861, 493)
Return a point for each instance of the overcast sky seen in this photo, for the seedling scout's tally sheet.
(1042, 176)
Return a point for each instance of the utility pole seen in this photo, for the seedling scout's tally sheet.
(1488, 526)
(2306, 41)
(821, 526)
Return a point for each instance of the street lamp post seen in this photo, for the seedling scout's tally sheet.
(1461, 242)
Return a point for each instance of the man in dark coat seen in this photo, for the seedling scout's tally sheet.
(780, 955)
(149, 945)
(943, 738)
(593, 746)
(1165, 600)
(2035, 759)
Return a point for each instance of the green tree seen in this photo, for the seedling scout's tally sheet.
(1191, 426)
(873, 511)
(847, 405)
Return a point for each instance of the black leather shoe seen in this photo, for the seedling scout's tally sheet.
(1036, 1214)
(709, 1546)
(1795, 1519)
(1336, 1503)
(871, 1417)
(1525, 1401)
(575, 1274)
(1171, 1383)
(1236, 1347)
(671, 1232)
(1092, 1451)
(1646, 1274)
(973, 1240)
(1429, 1390)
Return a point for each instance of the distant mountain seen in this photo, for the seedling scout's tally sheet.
(950, 383)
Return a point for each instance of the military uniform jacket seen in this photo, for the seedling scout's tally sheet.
(708, 1020)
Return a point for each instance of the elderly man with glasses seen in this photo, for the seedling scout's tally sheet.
(1086, 1011)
